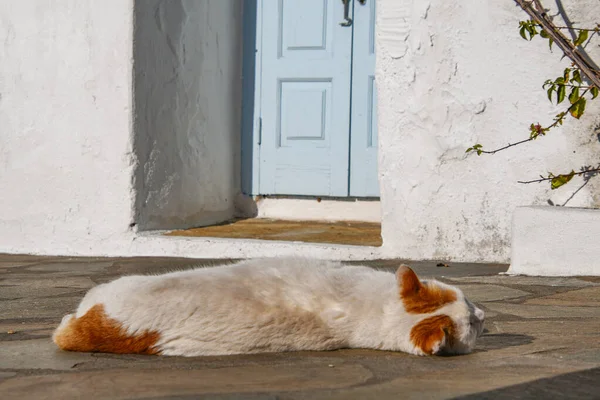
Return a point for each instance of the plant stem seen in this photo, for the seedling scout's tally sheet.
(577, 29)
(556, 122)
(577, 86)
(540, 17)
(589, 171)
(507, 146)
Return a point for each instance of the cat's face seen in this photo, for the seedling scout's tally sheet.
(450, 323)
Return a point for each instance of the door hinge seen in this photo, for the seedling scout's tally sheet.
(260, 131)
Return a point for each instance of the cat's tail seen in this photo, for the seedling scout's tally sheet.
(96, 332)
(63, 335)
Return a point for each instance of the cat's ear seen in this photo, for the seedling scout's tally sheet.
(408, 282)
(433, 334)
(421, 297)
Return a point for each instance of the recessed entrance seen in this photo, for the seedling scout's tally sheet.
(309, 126)
(347, 232)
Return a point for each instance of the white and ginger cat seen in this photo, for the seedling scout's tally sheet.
(272, 305)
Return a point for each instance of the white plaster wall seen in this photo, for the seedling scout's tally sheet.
(555, 241)
(451, 74)
(65, 144)
(318, 210)
(188, 104)
(73, 176)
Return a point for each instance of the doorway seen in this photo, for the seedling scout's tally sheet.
(309, 114)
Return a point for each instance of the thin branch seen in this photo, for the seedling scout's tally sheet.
(575, 192)
(577, 29)
(540, 17)
(556, 122)
(576, 86)
(507, 146)
(589, 171)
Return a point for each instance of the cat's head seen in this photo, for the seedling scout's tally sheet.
(450, 323)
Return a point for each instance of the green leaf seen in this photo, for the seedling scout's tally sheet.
(574, 96)
(561, 179)
(578, 108)
(522, 32)
(550, 92)
(560, 80)
(566, 74)
(560, 94)
(544, 34)
(583, 35)
(532, 31)
(550, 41)
(576, 76)
(594, 91)
(476, 147)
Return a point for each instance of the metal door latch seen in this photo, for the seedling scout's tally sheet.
(347, 19)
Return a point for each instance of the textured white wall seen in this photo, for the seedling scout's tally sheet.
(187, 62)
(451, 74)
(555, 241)
(65, 116)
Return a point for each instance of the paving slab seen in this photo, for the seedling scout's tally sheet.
(124, 384)
(572, 385)
(541, 339)
(37, 354)
(540, 311)
(479, 293)
(589, 297)
(442, 385)
(527, 280)
(38, 307)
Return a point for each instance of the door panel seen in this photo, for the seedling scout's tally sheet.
(363, 135)
(299, 99)
(306, 64)
(304, 26)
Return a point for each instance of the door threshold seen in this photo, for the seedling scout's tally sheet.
(356, 233)
(309, 208)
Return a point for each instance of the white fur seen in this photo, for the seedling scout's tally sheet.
(272, 305)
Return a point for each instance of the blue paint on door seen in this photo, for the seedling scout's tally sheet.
(363, 132)
(301, 115)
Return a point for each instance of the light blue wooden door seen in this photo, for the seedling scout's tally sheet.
(315, 89)
(304, 99)
(363, 133)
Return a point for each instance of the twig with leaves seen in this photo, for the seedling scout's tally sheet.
(559, 180)
(572, 79)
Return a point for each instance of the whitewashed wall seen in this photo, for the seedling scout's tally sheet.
(81, 160)
(84, 163)
(65, 115)
(451, 74)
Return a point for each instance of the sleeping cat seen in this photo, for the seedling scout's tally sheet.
(272, 305)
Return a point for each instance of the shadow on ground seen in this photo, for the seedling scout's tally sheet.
(496, 341)
(573, 385)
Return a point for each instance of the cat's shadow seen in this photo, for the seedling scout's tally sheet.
(496, 341)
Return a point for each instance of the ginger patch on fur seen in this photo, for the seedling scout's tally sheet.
(433, 332)
(96, 332)
(419, 297)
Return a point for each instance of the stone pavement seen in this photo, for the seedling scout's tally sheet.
(542, 341)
